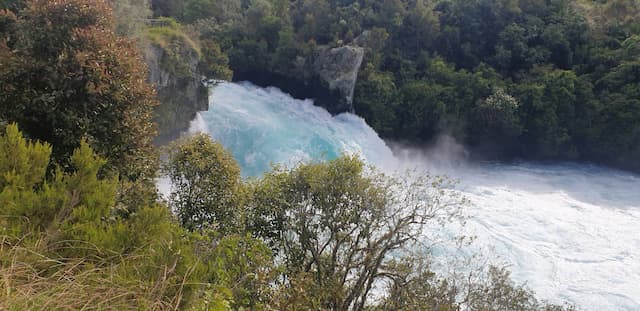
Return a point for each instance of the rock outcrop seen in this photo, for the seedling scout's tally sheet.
(174, 72)
(337, 70)
(328, 76)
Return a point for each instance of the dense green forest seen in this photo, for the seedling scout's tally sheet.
(548, 79)
(81, 224)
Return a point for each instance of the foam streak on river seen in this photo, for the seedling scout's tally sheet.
(571, 231)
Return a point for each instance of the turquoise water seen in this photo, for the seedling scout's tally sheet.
(571, 231)
(261, 126)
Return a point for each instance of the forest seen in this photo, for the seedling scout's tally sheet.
(82, 226)
(543, 80)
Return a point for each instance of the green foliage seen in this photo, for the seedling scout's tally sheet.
(216, 63)
(413, 286)
(248, 54)
(496, 118)
(29, 159)
(21, 171)
(66, 76)
(201, 9)
(337, 224)
(554, 79)
(62, 236)
(422, 107)
(243, 269)
(189, 11)
(206, 182)
(378, 90)
(497, 292)
(447, 57)
(13, 5)
(68, 206)
(177, 47)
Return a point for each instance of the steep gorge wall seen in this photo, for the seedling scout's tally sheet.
(173, 70)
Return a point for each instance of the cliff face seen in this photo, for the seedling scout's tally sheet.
(337, 70)
(328, 76)
(173, 70)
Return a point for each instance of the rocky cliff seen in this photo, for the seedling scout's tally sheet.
(328, 76)
(337, 70)
(173, 70)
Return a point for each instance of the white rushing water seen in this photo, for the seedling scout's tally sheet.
(570, 231)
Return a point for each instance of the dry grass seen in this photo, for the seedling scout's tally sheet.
(30, 280)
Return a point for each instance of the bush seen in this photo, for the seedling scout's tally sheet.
(206, 184)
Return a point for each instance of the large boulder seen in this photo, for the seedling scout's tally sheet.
(337, 70)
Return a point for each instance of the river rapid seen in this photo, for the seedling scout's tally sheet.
(570, 231)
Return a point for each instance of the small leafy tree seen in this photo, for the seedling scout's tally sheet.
(206, 184)
(65, 209)
(495, 121)
(239, 268)
(23, 167)
(412, 285)
(337, 226)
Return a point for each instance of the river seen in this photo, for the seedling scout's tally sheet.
(570, 231)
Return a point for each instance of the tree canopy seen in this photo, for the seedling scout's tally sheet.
(431, 66)
(67, 76)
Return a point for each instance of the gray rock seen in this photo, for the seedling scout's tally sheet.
(178, 84)
(337, 70)
(328, 76)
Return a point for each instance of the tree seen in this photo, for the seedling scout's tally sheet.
(414, 286)
(495, 291)
(167, 8)
(206, 184)
(551, 103)
(418, 31)
(214, 62)
(496, 120)
(65, 75)
(23, 166)
(375, 100)
(337, 225)
(240, 268)
(422, 107)
(312, 19)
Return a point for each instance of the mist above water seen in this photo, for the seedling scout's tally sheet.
(571, 231)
